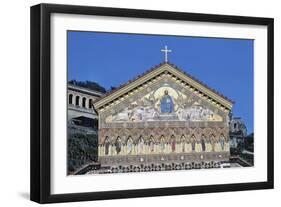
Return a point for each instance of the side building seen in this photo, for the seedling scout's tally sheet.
(237, 132)
(82, 139)
(241, 143)
(81, 110)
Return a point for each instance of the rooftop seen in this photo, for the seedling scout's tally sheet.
(156, 67)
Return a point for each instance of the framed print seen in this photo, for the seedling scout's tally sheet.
(132, 103)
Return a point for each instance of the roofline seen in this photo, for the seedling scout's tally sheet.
(146, 75)
(84, 90)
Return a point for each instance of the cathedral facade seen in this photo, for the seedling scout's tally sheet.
(163, 120)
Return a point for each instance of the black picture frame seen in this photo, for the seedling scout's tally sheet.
(41, 95)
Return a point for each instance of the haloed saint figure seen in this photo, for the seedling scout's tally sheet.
(167, 105)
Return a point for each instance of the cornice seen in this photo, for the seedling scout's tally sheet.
(151, 76)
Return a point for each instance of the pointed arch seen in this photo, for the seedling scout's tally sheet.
(183, 138)
(140, 139)
(151, 139)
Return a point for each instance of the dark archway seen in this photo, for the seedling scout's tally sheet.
(90, 103)
(77, 98)
(84, 102)
(70, 97)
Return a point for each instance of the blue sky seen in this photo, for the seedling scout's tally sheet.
(109, 59)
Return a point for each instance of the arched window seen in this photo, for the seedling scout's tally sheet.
(77, 100)
(70, 97)
(90, 104)
(84, 102)
(140, 139)
(182, 137)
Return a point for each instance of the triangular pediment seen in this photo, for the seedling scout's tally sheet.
(166, 100)
(182, 88)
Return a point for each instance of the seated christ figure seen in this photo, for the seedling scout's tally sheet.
(167, 105)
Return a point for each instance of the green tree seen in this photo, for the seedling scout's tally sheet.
(88, 84)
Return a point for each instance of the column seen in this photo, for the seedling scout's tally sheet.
(99, 152)
(109, 150)
(217, 147)
(208, 147)
(226, 146)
